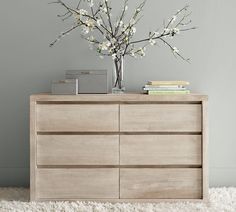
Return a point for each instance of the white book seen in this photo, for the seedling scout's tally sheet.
(163, 89)
(164, 86)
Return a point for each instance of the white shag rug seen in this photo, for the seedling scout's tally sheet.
(17, 200)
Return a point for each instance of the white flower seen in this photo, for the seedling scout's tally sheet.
(126, 7)
(85, 30)
(90, 3)
(176, 30)
(133, 30)
(141, 51)
(132, 54)
(120, 24)
(91, 38)
(76, 16)
(132, 21)
(83, 12)
(104, 9)
(152, 42)
(113, 40)
(156, 34)
(138, 10)
(175, 50)
(99, 22)
(90, 23)
(114, 56)
(124, 27)
(104, 45)
(173, 19)
(166, 30)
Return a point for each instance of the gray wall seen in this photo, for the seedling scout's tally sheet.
(27, 65)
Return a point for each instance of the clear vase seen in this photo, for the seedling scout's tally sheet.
(118, 76)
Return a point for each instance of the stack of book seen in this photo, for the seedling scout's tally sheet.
(166, 87)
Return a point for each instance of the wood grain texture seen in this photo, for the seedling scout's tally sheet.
(72, 118)
(160, 150)
(77, 183)
(128, 200)
(32, 149)
(162, 147)
(78, 149)
(161, 183)
(160, 118)
(127, 97)
(205, 150)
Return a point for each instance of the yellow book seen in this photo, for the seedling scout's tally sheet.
(159, 83)
(168, 92)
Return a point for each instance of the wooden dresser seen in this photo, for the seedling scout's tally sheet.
(118, 148)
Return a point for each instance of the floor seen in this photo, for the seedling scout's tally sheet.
(17, 200)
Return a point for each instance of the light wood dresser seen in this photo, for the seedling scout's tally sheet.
(118, 148)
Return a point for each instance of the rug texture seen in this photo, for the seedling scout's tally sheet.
(17, 199)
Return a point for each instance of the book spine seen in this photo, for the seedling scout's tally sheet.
(164, 86)
(168, 92)
(164, 89)
(168, 83)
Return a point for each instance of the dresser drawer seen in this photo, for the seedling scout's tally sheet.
(78, 149)
(160, 118)
(77, 183)
(161, 183)
(160, 150)
(77, 117)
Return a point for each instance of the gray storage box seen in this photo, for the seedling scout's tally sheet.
(90, 81)
(64, 87)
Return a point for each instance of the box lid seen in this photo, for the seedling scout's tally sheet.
(86, 72)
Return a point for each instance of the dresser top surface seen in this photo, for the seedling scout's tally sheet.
(129, 97)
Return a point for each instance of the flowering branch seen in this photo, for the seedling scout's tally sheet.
(116, 38)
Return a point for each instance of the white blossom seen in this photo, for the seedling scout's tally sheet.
(173, 19)
(85, 30)
(91, 38)
(99, 22)
(152, 42)
(166, 30)
(118, 40)
(132, 21)
(175, 50)
(176, 30)
(132, 54)
(90, 23)
(156, 34)
(83, 12)
(120, 24)
(141, 51)
(104, 45)
(76, 16)
(114, 56)
(133, 30)
(113, 40)
(104, 9)
(90, 3)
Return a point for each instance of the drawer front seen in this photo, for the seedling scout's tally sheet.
(160, 150)
(77, 118)
(78, 150)
(77, 183)
(161, 183)
(160, 118)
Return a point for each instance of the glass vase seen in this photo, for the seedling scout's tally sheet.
(118, 76)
